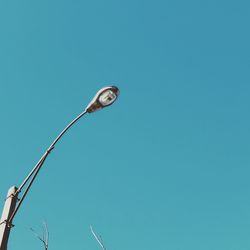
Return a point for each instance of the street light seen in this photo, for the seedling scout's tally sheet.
(104, 98)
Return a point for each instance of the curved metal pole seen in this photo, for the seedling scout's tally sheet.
(34, 172)
(50, 148)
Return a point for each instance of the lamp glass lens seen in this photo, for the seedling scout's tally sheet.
(107, 97)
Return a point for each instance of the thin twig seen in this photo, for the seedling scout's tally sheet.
(98, 238)
(45, 235)
(46, 231)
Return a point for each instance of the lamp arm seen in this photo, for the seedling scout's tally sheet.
(34, 172)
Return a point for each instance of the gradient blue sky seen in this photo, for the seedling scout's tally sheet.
(166, 167)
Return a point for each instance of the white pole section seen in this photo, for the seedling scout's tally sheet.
(5, 226)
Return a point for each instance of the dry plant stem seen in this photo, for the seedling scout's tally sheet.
(98, 238)
(45, 235)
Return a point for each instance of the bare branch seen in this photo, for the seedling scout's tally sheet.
(46, 232)
(45, 235)
(98, 238)
(34, 232)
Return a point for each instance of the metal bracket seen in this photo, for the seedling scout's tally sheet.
(9, 225)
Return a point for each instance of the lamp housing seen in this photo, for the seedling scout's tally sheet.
(103, 98)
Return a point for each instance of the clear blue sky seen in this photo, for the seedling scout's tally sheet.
(166, 167)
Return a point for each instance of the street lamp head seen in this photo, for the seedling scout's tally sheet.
(104, 97)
